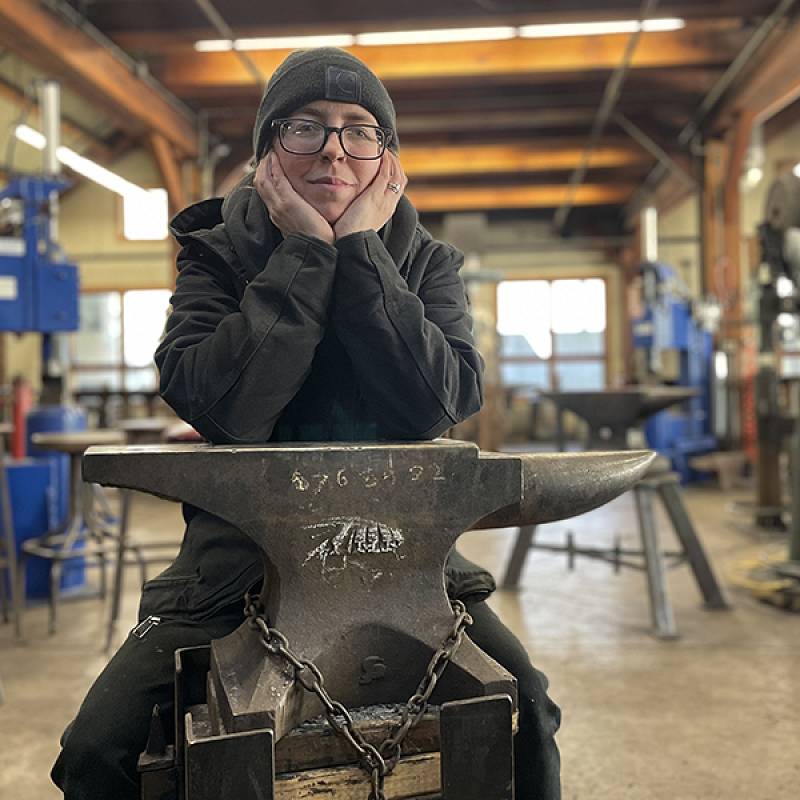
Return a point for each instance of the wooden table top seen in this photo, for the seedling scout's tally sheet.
(77, 441)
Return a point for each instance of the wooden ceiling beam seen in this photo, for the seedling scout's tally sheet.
(546, 156)
(466, 61)
(443, 199)
(472, 160)
(159, 40)
(464, 121)
(170, 171)
(57, 48)
(511, 124)
(773, 84)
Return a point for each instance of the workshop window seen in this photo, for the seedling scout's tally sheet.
(145, 216)
(552, 334)
(119, 331)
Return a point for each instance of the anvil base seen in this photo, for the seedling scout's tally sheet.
(440, 756)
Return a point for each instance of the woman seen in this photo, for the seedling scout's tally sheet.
(310, 305)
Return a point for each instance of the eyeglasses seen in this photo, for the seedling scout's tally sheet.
(304, 137)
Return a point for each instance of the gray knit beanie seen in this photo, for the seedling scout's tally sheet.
(325, 73)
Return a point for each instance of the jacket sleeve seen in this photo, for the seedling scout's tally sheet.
(229, 366)
(413, 354)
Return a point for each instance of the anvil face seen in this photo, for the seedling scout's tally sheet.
(354, 540)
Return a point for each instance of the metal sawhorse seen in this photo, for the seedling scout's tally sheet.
(659, 482)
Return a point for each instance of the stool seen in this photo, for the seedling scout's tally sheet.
(662, 482)
(147, 430)
(8, 544)
(59, 546)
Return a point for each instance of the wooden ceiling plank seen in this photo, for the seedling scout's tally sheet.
(473, 60)
(46, 42)
(773, 84)
(419, 161)
(485, 198)
(504, 120)
(138, 38)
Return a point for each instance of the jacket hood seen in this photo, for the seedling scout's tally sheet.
(238, 228)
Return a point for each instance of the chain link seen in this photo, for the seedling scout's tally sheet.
(377, 762)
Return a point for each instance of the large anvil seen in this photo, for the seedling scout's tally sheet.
(354, 540)
(611, 413)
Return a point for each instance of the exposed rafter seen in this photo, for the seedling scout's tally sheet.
(145, 37)
(543, 156)
(515, 58)
(65, 51)
(480, 123)
(773, 85)
(170, 171)
(482, 198)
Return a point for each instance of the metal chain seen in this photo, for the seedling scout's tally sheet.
(377, 762)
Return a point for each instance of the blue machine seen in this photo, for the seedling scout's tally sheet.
(39, 293)
(38, 288)
(48, 419)
(666, 331)
(30, 484)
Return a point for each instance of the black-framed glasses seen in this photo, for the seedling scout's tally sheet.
(304, 137)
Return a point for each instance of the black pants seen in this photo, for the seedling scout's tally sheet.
(101, 747)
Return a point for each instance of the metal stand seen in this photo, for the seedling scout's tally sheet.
(85, 534)
(664, 485)
(149, 430)
(124, 545)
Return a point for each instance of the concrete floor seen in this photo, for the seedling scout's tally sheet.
(715, 714)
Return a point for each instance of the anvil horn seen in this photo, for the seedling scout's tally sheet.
(560, 485)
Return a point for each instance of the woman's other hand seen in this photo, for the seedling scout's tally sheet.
(374, 207)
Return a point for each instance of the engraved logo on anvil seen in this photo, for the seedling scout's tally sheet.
(355, 537)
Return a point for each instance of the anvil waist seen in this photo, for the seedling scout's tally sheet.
(217, 564)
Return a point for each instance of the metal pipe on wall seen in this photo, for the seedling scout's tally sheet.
(50, 105)
(649, 234)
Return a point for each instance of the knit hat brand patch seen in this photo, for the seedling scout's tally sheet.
(342, 85)
(324, 73)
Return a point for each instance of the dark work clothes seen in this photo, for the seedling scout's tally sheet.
(275, 339)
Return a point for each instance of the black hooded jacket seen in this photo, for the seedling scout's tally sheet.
(292, 339)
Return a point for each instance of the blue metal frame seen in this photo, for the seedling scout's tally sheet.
(38, 288)
(668, 324)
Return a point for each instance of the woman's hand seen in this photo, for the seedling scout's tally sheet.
(288, 211)
(374, 207)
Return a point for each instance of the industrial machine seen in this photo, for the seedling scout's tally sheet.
(673, 347)
(39, 294)
(38, 287)
(778, 390)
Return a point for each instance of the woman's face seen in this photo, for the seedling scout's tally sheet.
(329, 180)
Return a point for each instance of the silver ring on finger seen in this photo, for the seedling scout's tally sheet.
(393, 187)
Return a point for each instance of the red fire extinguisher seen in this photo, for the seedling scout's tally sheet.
(22, 402)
